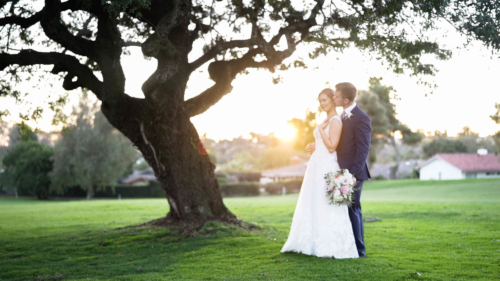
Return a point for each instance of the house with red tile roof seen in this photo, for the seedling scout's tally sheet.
(454, 166)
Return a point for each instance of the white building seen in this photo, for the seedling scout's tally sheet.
(455, 166)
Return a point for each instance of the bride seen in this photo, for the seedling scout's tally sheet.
(318, 228)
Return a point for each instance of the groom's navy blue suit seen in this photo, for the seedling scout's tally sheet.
(352, 153)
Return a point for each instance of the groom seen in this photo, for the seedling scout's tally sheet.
(352, 152)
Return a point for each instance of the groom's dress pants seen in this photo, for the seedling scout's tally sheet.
(356, 217)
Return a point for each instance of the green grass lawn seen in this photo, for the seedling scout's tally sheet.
(447, 230)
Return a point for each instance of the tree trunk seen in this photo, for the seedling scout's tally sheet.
(172, 147)
(159, 125)
(186, 174)
(395, 168)
(90, 192)
(40, 195)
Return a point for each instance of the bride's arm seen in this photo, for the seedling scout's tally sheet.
(332, 141)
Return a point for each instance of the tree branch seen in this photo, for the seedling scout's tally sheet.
(85, 31)
(22, 22)
(36, 17)
(209, 97)
(256, 39)
(200, 27)
(218, 48)
(62, 63)
(159, 46)
(131, 44)
(51, 24)
(224, 72)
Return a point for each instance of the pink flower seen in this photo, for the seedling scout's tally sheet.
(344, 190)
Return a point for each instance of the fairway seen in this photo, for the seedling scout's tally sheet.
(447, 230)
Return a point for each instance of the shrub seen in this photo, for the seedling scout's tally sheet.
(240, 189)
(27, 167)
(291, 186)
(152, 190)
(379, 178)
(245, 176)
(221, 180)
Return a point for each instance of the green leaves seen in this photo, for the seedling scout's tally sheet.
(443, 145)
(27, 166)
(496, 117)
(91, 152)
(304, 130)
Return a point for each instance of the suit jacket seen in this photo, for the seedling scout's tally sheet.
(354, 144)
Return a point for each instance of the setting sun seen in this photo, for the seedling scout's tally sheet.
(286, 132)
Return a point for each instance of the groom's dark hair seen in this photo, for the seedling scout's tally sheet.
(347, 90)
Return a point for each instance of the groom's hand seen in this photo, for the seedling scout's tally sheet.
(311, 147)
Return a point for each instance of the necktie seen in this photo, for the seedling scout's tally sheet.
(344, 115)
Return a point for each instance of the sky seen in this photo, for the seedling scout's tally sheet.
(466, 93)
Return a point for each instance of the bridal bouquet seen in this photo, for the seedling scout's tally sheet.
(340, 187)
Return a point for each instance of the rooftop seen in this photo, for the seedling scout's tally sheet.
(468, 162)
(297, 170)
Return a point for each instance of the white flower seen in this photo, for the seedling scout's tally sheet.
(338, 180)
(349, 115)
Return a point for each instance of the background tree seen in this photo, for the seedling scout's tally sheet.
(496, 118)
(439, 134)
(377, 103)
(275, 157)
(21, 132)
(303, 130)
(473, 141)
(26, 167)
(443, 145)
(371, 104)
(4, 140)
(91, 153)
(84, 39)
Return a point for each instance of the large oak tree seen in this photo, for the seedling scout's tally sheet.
(83, 42)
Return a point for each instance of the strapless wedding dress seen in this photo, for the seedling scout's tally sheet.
(318, 228)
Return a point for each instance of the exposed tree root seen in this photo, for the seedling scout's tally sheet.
(198, 227)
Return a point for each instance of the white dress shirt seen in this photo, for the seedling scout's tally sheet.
(348, 110)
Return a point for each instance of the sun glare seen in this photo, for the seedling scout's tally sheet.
(287, 132)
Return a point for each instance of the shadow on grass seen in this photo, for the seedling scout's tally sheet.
(115, 253)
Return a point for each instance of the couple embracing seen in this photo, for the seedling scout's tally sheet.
(341, 142)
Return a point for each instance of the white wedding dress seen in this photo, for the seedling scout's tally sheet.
(318, 228)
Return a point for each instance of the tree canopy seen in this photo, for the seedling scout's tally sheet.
(84, 39)
(82, 42)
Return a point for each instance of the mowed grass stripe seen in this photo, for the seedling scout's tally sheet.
(473, 191)
(456, 240)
